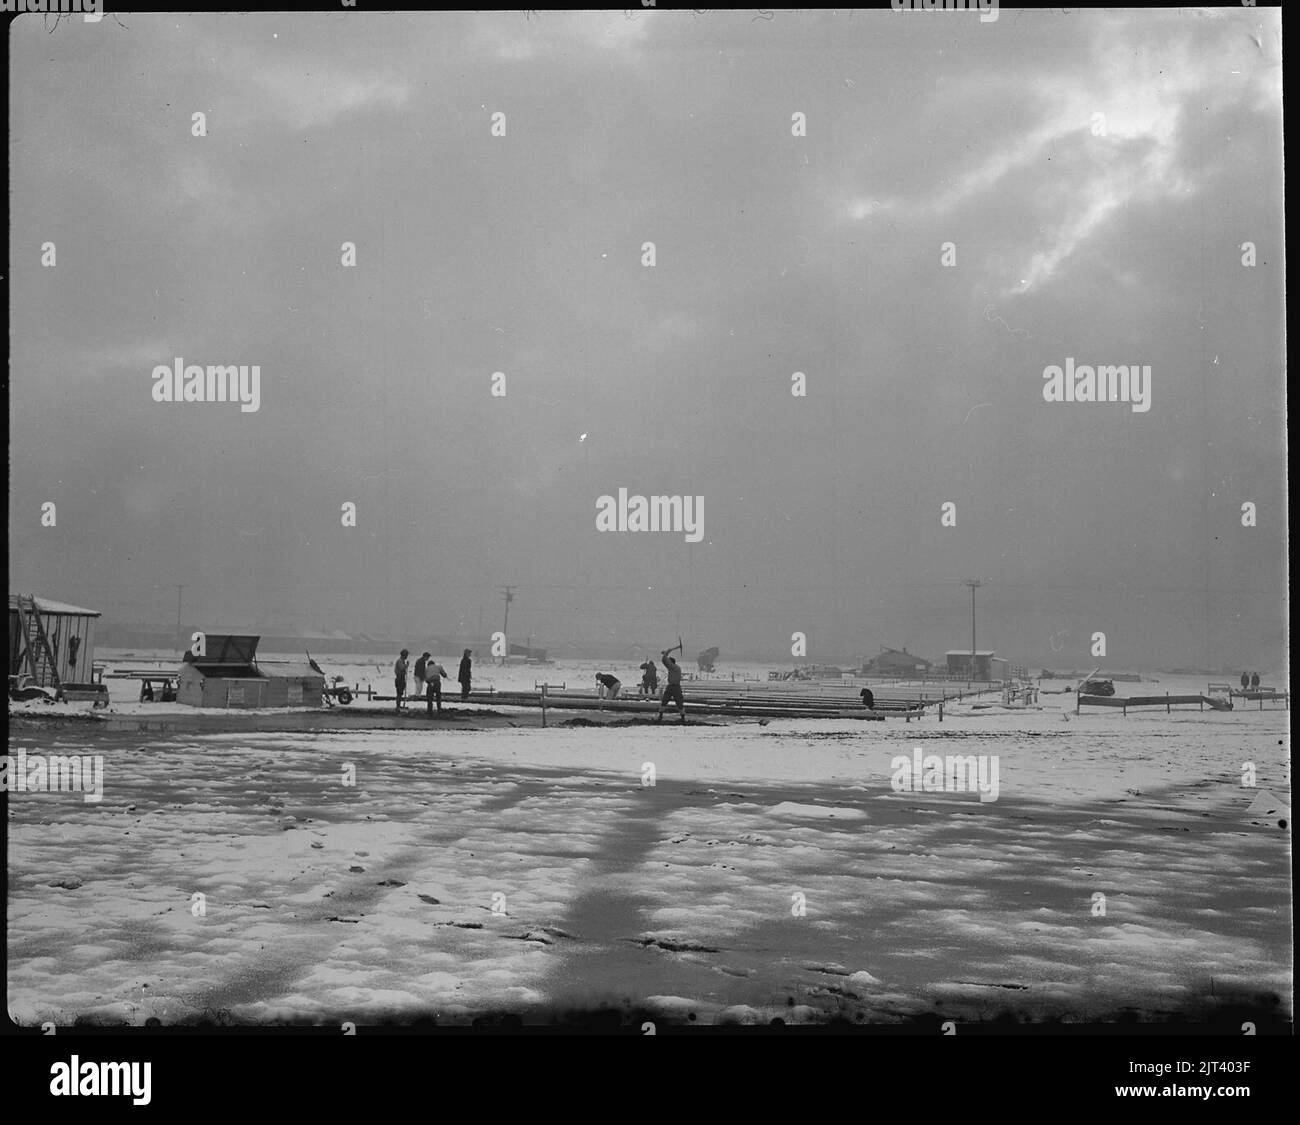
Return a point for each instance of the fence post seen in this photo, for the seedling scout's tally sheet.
(1167, 703)
(543, 705)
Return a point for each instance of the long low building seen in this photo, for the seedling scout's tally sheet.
(896, 662)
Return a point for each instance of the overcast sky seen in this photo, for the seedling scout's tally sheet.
(775, 253)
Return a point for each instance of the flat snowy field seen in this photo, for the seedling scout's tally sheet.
(769, 871)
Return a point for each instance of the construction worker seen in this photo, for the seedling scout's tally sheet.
(608, 685)
(434, 674)
(649, 680)
(399, 676)
(464, 673)
(673, 689)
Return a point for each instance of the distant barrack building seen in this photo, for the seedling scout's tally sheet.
(896, 662)
(989, 666)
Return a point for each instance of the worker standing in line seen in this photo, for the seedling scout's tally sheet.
(419, 672)
(673, 689)
(1254, 681)
(399, 677)
(463, 675)
(649, 679)
(434, 674)
(1245, 680)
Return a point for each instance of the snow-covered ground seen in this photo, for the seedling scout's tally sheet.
(768, 871)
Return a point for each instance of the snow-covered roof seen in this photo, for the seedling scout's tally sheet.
(46, 605)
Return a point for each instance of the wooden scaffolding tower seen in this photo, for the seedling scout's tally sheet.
(40, 658)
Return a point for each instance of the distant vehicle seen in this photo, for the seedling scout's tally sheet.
(335, 689)
(1097, 687)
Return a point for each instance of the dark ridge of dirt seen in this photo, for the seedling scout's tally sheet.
(582, 721)
(1204, 1015)
(674, 946)
(992, 984)
(37, 720)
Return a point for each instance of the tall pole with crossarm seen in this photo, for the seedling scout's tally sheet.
(505, 628)
(180, 644)
(972, 583)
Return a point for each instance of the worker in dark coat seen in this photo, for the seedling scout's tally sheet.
(464, 675)
(1254, 681)
(868, 700)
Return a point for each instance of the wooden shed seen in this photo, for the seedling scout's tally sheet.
(70, 633)
(229, 675)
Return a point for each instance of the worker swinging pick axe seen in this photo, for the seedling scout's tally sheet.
(673, 688)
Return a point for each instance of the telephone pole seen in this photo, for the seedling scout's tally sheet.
(972, 583)
(505, 628)
(179, 587)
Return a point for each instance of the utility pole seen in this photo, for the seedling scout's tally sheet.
(180, 648)
(972, 583)
(505, 628)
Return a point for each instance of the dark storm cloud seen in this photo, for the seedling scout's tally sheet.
(775, 254)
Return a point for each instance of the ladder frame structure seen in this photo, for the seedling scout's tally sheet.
(28, 614)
